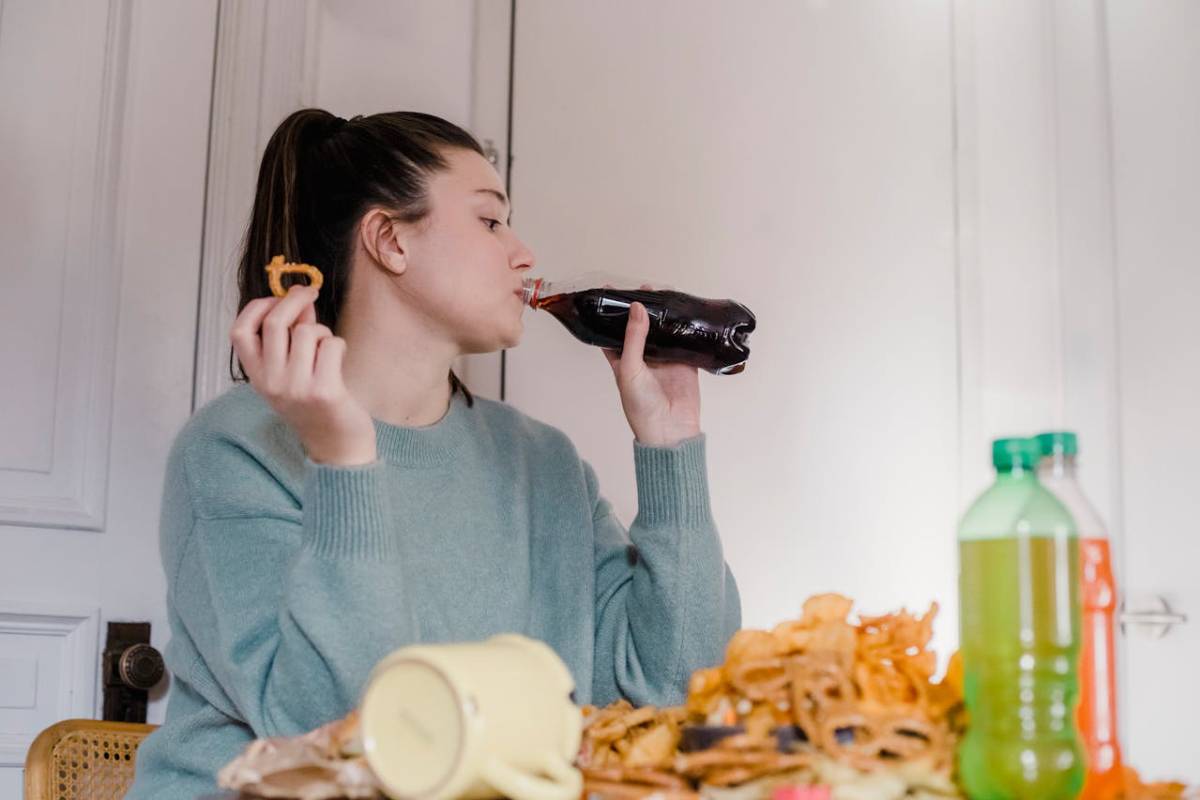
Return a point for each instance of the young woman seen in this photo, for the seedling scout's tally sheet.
(354, 497)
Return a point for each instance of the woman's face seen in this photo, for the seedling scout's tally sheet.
(465, 266)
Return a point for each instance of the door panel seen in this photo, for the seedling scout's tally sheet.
(103, 129)
(1155, 76)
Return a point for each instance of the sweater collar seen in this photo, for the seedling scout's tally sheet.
(430, 445)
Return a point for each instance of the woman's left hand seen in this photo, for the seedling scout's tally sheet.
(661, 401)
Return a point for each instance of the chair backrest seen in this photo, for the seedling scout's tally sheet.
(83, 759)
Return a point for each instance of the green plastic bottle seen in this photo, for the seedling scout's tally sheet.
(1019, 621)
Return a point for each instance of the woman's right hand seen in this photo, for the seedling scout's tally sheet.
(296, 365)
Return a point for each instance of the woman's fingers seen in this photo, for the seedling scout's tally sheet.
(630, 359)
(636, 330)
(301, 362)
(327, 371)
(309, 314)
(276, 334)
(247, 344)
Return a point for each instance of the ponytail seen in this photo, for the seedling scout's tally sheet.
(319, 174)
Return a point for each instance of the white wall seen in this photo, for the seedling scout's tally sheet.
(799, 158)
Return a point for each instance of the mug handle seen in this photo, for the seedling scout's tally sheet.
(565, 782)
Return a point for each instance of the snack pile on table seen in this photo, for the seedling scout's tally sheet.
(820, 704)
(824, 707)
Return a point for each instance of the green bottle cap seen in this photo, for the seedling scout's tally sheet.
(1008, 454)
(1058, 443)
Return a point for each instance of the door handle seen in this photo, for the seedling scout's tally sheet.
(130, 668)
(1152, 615)
(140, 667)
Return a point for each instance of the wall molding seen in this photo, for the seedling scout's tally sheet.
(1043, 180)
(489, 123)
(259, 77)
(70, 491)
(1035, 243)
(79, 630)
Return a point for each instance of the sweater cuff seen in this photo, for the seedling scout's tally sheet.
(672, 483)
(347, 513)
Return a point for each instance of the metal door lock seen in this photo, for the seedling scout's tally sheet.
(140, 667)
(1151, 615)
(131, 668)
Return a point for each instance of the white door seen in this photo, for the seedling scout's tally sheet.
(103, 134)
(1155, 79)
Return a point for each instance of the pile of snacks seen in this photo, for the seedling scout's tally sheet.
(818, 700)
(819, 708)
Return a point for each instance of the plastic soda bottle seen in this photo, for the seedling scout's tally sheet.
(1098, 598)
(1020, 619)
(712, 335)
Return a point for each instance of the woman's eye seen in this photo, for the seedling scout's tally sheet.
(492, 224)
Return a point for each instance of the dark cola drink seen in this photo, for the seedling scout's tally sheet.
(709, 334)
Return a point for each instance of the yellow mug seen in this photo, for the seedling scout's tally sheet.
(474, 720)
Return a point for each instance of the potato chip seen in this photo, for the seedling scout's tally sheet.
(752, 645)
(613, 728)
(705, 690)
(823, 608)
(764, 679)
(653, 748)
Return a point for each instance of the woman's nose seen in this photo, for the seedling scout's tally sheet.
(522, 257)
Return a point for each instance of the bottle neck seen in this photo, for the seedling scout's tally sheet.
(533, 290)
(1057, 467)
(536, 289)
(1016, 472)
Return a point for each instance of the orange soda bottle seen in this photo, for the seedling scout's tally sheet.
(1097, 716)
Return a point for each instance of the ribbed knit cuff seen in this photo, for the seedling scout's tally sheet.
(347, 513)
(672, 483)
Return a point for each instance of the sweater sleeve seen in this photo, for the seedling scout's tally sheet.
(666, 603)
(288, 607)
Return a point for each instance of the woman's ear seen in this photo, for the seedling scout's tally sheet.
(384, 240)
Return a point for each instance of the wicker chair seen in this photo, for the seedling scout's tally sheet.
(83, 759)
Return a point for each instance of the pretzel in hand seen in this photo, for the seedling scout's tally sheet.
(278, 268)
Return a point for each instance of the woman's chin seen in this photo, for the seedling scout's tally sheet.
(511, 341)
(503, 340)
(512, 338)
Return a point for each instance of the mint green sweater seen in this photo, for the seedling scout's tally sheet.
(287, 580)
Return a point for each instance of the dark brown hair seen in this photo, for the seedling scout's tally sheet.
(320, 174)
